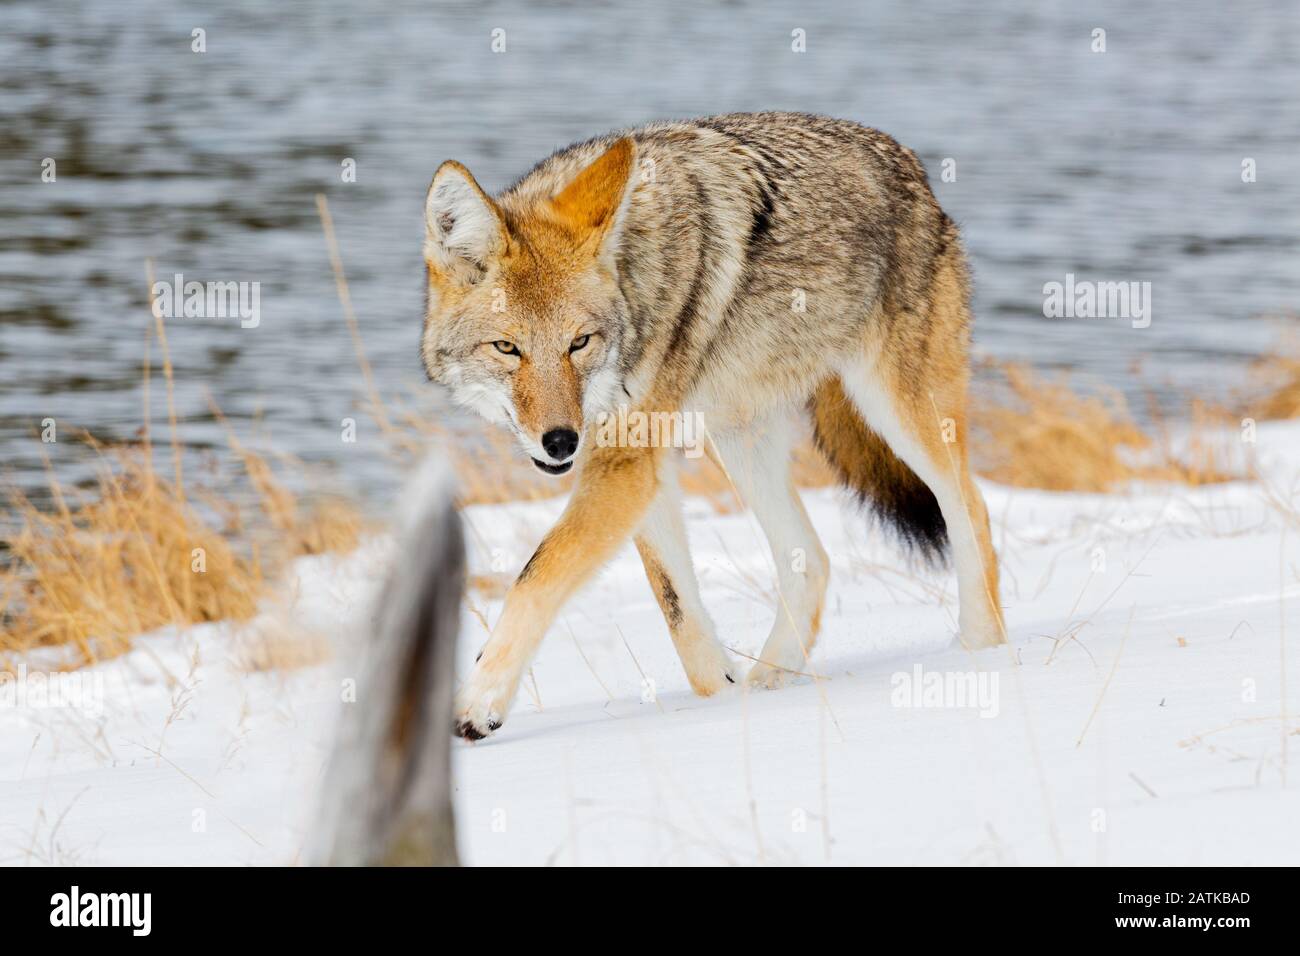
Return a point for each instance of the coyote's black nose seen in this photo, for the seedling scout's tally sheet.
(560, 443)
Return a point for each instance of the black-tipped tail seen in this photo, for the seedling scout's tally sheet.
(867, 465)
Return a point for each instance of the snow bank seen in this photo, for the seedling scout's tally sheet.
(1135, 719)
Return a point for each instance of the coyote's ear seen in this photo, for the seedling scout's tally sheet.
(592, 205)
(464, 230)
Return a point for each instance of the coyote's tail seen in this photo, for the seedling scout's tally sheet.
(864, 463)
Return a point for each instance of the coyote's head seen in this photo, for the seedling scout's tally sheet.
(525, 318)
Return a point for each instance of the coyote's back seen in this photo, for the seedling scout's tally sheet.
(786, 232)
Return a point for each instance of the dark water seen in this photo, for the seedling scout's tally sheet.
(1116, 166)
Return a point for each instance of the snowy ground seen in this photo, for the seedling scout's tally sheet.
(1136, 719)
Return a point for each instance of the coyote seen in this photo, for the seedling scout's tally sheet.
(734, 268)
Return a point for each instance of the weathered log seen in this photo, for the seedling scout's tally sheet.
(386, 796)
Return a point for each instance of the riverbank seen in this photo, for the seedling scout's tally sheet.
(1136, 717)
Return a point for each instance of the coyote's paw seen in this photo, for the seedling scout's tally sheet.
(472, 728)
(976, 637)
(479, 710)
(779, 663)
(766, 676)
(708, 668)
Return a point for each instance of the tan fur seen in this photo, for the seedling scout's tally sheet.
(733, 268)
(942, 394)
(595, 523)
(687, 630)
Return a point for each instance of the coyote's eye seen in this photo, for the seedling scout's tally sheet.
(580, 343)
(506, 348)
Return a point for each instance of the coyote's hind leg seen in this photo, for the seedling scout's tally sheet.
(757, 459)
(919, 409)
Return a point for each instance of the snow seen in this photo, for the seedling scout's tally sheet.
(1135, 719)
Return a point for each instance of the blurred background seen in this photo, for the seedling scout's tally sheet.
(1116, 166)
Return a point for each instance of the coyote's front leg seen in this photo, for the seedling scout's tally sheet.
(665, 552)
(615, 487)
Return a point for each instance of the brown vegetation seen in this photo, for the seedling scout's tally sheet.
(141, 551)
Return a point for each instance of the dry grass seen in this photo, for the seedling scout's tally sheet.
(278, 643)
(1036, 433)
(1276, 381)
(92, 573)
(138, 552)
(329, 525)
(96, 572)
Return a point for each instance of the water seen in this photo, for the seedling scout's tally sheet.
(1115, 166)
